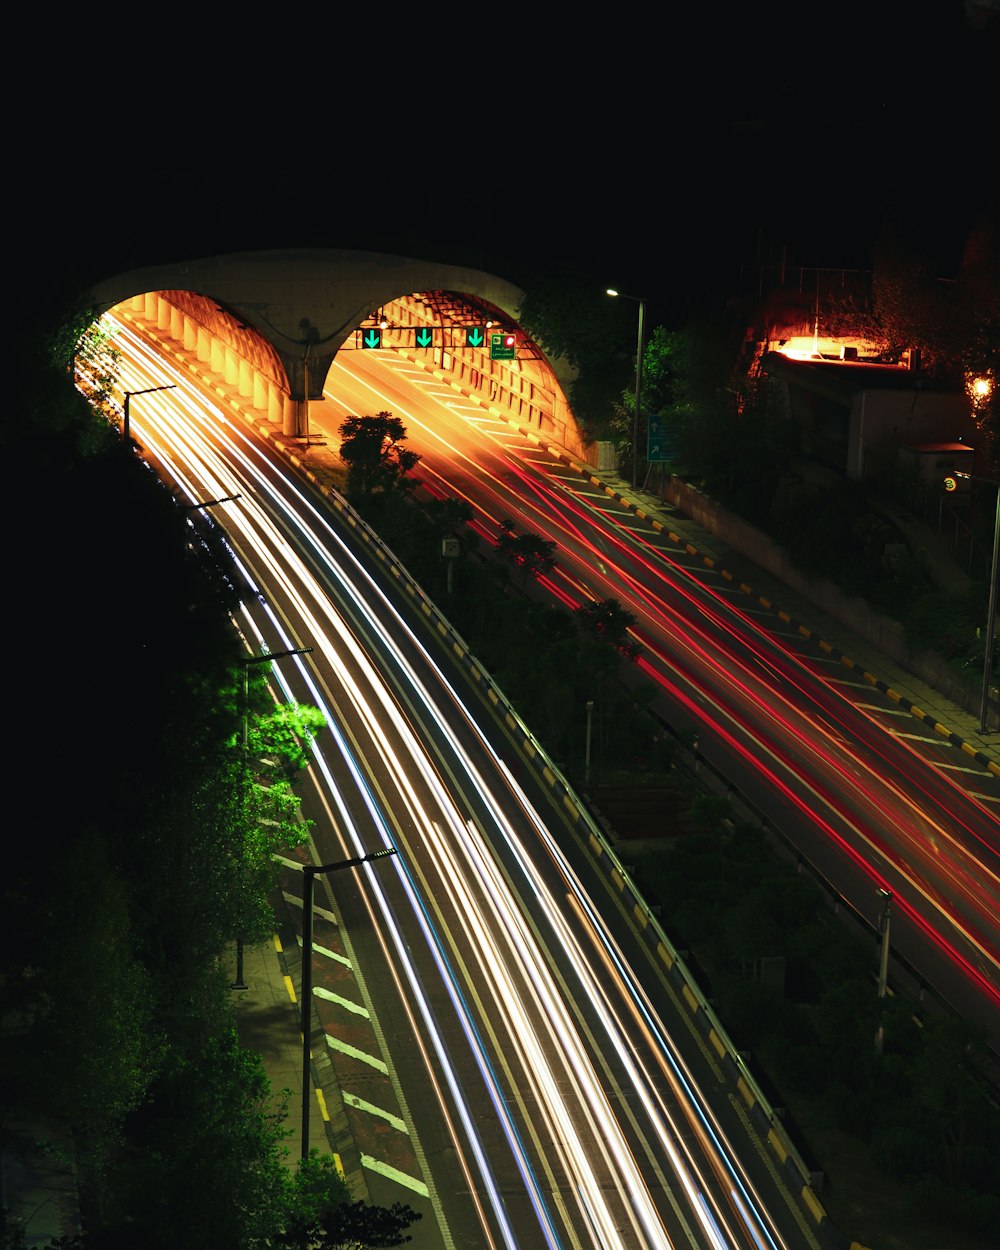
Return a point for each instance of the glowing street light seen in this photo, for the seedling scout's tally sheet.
(638, 381)
(950, 484)
(980, 388)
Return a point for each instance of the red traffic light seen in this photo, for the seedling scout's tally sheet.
(509, 340)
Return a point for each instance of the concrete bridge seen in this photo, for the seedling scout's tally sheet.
(272, 322)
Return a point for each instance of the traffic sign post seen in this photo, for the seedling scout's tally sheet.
(503, 346)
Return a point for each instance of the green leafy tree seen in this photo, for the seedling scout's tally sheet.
(85, 346)
(372, 448)
(205, 1166)
(284, 736)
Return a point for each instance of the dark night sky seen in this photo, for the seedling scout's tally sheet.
(655, 156)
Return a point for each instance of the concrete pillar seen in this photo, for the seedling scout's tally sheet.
(149, 302)
(204, 348)
(217, 359)
(163, 311)
(275, 404)
(260, 395)
(246, 378)
(177, 320)
(190, 335)
(290, 416)
(232, 366)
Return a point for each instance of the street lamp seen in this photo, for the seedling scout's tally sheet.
(590, 720)
(128, 395)
(883, 969)
(309, 873)
(638, 381)
(992, 609)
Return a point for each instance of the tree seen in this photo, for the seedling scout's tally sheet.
(575, 319)
(284, 735)
(320, 1213)
(608, 621)
(949, 1079)
(531, 555)
(359, 1226)
(376, 460)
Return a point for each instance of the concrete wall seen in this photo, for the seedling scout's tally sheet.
(882, 421)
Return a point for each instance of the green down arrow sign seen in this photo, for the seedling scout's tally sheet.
(474, 336)
(424, 338)
(372, 338)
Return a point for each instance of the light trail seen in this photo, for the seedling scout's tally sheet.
(557, 1098)
(909, 827)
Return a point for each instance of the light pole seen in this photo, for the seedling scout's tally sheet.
(638, 381)
(984, 700)
(238, 982)
(128, 395)
(590, 718)
(309, 873)
(990, 619)
(980, 390)
(883, 968)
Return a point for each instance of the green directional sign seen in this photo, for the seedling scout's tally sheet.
(503, 346)
(474, 336)
(424, 337)
(371, 338)
(661, 442)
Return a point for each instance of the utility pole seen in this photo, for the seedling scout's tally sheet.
(309, 873)
(883, 970)
(128, 395)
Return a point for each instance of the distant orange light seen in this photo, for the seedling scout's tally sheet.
(979, 387)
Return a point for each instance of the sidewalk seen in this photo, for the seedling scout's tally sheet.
(268, 1021)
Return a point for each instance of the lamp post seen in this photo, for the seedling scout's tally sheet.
(238, 982)
(638, 380)
(128, 395)
(984, 700)
(590, 719)
(309, 873)
(990, 619)
(883, 968)
(980, 390)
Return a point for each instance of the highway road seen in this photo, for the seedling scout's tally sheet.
(826, 759)
(512, 1058)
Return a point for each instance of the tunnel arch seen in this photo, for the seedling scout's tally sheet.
(275, 320)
